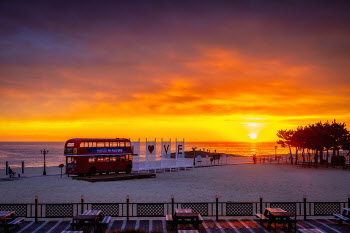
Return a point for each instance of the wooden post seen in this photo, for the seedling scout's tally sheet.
(127, 208)
(7, 167)
(261, 204)
(217, 207)
(304, 207)
(172, 205)
(82, 204)
(36, 209)
(22, 167)
(348, 201)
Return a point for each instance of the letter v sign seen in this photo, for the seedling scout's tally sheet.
(166, 149)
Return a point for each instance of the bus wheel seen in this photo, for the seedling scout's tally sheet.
(93, 171)
(128, 169)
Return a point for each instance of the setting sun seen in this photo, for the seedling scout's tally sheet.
(253, 135)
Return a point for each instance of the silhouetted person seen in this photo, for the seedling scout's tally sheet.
(254, 158)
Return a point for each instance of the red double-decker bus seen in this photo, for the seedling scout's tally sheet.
(91, 156)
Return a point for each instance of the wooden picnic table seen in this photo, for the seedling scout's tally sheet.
(183, 216)
(278, 215)
(4, 215)
(86, 218)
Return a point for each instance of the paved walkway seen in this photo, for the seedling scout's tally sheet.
(208, 226)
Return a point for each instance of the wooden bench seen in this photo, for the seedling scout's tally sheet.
(200, 219)
(262, 218)
(104, 223)
(341, 218)
(169, 220)
(15, 222)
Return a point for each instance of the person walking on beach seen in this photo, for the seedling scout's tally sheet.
(11, 173)
(254, 158)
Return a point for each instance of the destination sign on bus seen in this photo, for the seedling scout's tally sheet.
(106, 150)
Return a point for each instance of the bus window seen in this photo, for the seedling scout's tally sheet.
(127, 144)
(82, 144)
(107, 159)
(100, 159)
(121, 158)
(90, 144)
(113, 159)
(92, 160)
(93, 144)
(70, 159)
(129, 157)
(106, 144)
(71, 144)
(121, 144)
(114, 144)
(100, 144)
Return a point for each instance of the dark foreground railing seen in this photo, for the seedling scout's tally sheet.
(214, 209)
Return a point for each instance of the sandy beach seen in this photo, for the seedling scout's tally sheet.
(242, 182)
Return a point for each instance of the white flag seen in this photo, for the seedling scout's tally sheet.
(136, 155)
(151, 154)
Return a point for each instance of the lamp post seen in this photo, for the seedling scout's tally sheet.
(194, 155)
(276, 152)
(44, 152)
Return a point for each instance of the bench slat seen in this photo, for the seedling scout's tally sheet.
(200, 218)
(341, 217)
(261, 216)
(16, 221)
(72, 232)
(106, 220)
(311, 230)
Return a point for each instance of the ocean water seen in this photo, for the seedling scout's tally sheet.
(29, 152)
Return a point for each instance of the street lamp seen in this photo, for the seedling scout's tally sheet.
(276, 152)
(44, 152)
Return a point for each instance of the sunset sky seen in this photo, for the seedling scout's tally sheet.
(199, 70)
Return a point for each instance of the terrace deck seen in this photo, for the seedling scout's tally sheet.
(208, 226)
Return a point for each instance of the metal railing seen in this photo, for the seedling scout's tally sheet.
(213, 209)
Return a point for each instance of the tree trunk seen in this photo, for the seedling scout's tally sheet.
(303, 156)
(327, 157)
(296, 156)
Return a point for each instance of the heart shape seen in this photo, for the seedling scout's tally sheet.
(151, 148)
